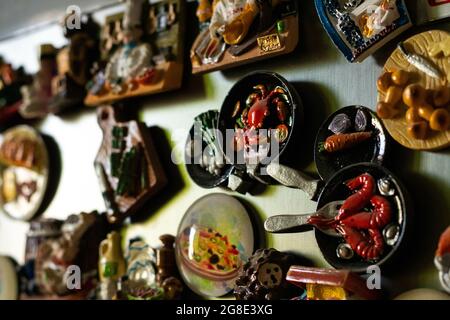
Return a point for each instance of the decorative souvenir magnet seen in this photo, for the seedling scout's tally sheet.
(330, 284)
(215, 239)
(9, 279)
(37, 96)
(359, 27)
(148, 58)
(414, 94)
(40, 231)
(361, 220)
(237, 32)
(111, 265)
(77, 245)
(204, 158)
(140, 280)
(24, 171)
(75, 64)
(442, 259)
(127, 165)
(351, 135)
(262, 111)
(264, 276)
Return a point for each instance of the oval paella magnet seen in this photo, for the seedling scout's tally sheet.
(214, 240)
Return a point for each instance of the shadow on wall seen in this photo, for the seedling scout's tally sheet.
(55, 169)
(316, 108)
(174, 178)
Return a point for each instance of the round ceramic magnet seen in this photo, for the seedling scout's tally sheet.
(9, 280)
(430, 49)
(23, 172)
(362, 126)
(214, 240)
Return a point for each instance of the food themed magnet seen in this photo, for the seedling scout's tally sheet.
(351, 135)
(144, 52)
(23, 172)
(214, 240)
(237, 32)
(127, 165)
(259, 117)
(204, 158)
(359, 27)
(363, 212)
(414, 92)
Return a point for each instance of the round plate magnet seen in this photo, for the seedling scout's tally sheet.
(214, 240)
(371, 150)
(24, 172)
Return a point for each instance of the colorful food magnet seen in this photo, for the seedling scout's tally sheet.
(361, 218)
(351, 135)
(414, 92)
(234, 32)
(358, 28)
(262, 111)
(204, 158)
(24, 171)
(215, 239)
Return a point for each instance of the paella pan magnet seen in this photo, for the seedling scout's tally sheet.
(361, 219)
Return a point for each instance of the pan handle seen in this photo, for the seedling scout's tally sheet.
(288, 223)
(295, 179)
